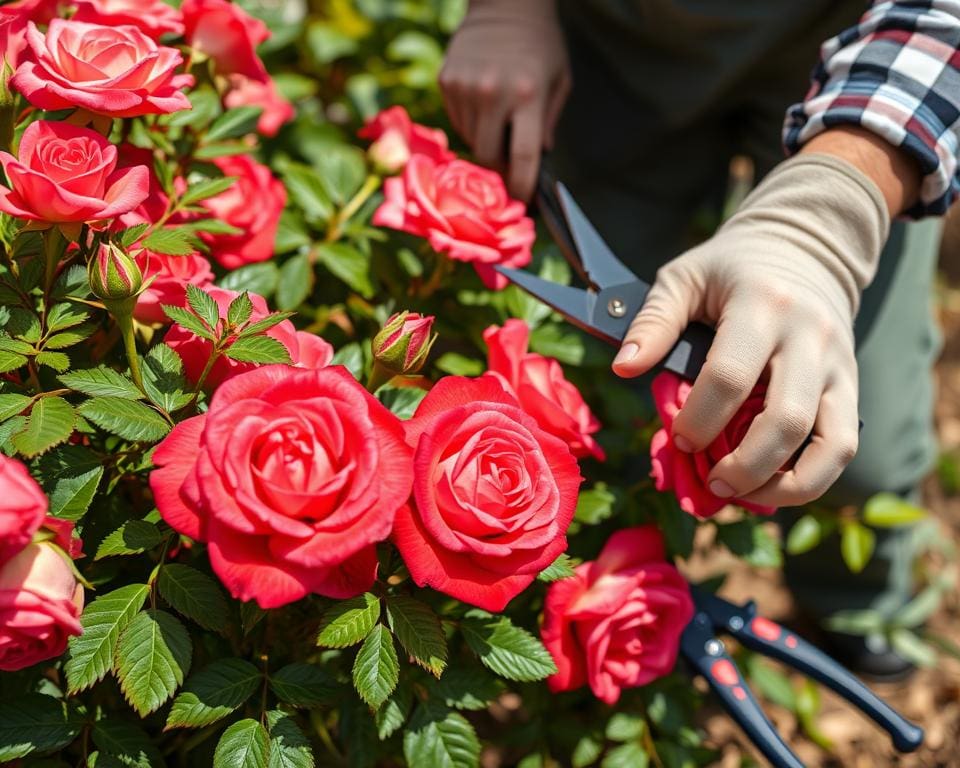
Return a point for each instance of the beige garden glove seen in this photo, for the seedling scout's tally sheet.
(781, 282)
(507, 66)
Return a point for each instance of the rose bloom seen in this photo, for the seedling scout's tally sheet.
(494, 494)
(463, 210)
(171, 275)
(686, 473)
(227, 34)
(246, 92)
(152, 17)
(290, 477)
(155, 204)
(539, 385)
(617, 623)
(40, 606)
(113, 71)
(13, 36)
(23, 510)
(253, 203)
(395, 137)
(305, 349)
(65, 173)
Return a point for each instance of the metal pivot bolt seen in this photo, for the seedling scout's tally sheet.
(713, 647)
(616, 307)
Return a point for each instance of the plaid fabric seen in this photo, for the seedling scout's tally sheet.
(896, 73)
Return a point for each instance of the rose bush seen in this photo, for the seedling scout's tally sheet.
(333, 483)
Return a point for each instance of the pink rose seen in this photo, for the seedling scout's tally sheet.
(40, 606)
(540, 386)
(246, 92)
(493, 494)
(686, 473)
(463, 210)
(65, 173)
(395, 137)
(113, 71)
(306, 350)
(290, 477)
(154, 206)
(227, 34)
(253, 203)
(152, 17)
(23, 510)
(13, 36)
(617, 623)
(170, 277)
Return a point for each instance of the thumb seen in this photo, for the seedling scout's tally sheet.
(667, 311)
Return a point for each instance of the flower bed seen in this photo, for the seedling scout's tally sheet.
(290, 475)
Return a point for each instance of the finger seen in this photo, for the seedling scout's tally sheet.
(451, 89)
(555, 105)
(525, 143)
(833, 446)
(491, 120)
(737, 358)
(672, 302)
(790, 412)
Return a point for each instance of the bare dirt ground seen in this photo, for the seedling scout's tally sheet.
(932, 696)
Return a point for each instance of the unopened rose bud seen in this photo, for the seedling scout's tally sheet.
(404, 342)
(114, 275)
(390, 153)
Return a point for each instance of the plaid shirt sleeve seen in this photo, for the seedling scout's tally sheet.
(896, 73)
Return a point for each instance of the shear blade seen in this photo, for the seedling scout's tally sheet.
(575, 304)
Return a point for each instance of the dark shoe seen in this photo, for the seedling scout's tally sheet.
(881, 664)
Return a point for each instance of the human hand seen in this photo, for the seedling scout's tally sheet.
(507, 66)
(781, 282)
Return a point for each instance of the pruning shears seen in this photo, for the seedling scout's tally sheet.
(614, 294)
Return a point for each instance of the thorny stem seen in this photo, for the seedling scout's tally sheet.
(370, 185)
(125, 323)
(378, 377)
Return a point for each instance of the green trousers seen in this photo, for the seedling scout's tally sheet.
(665, 94)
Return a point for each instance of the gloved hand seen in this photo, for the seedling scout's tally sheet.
(781, 282)
(507, 65)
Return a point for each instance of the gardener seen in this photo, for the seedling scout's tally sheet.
(663, 95)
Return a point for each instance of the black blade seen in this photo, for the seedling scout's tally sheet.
(575, 304)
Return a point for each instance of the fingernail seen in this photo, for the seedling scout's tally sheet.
(721, 489)
(627, 352)
(682, 443)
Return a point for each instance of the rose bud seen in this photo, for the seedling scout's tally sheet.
(114, 275)
(389, 154)
(404, 342)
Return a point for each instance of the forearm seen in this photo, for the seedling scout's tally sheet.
(895, 173)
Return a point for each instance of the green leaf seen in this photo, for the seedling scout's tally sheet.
(126, 418)
(213, 226)
(808, 708)
(855, 622)
(401, 401)
(33, 723)
(624, 727)
(341, 169)
(171, 241)
(260, 278)
(773, 684)
(264, 324)
(419, 632)
(856, 545)
(376, 669)
(258, 349)
(752, 541)
(304, 685)
(131, 538)
(921, 607)
(595, 506)
(56, 360)
(440, 739)
(909, 645)
(153, 656)
(50, 422)
(127, 742)
(349, 265)
(213, 693)
(308, 192)
(296, 281)
(10, 361)
(204, 305)
(91, 654)
(350, 356)
(561, 568)
(245, 744)
(393, 713)
(233, 123)
(630, 755)
(470, 688)
(194, 594)
(805, 534)
(186, 319)
(507, 650)
(459, 365)
(12, 403)
(587, 752)
(101, 382)
(348, 622)
(163, 378)
(130, 235)
(289, 748)
(206, 188)
(66, 315)
(69, 338)
(887, 510)
(239, 310)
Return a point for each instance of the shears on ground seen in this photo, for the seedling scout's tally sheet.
(613, 296)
